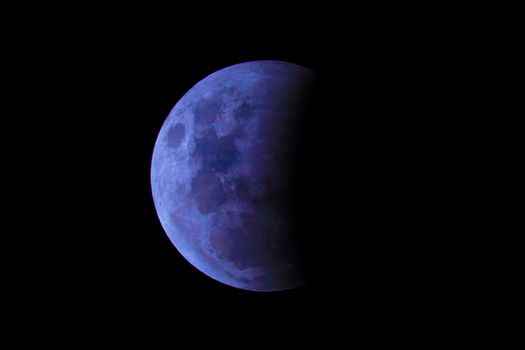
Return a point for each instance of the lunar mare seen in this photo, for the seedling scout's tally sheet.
(220, 174)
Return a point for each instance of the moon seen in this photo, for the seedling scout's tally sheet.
(221, 176)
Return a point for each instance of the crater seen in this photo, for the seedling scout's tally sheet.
(207, 110)
(207, 191)
(245, 247)
(217, 154)
(241, 189)
(244, 111)
(175, 135)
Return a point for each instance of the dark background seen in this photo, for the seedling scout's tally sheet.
(92, 91)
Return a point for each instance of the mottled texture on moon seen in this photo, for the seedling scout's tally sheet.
(220, 174)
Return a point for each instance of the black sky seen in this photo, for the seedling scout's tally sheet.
(92, 91)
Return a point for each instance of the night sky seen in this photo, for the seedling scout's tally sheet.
(95, 92)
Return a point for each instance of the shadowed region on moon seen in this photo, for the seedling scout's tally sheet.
(220, 174)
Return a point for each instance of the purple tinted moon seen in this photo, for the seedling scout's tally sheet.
(220, 174)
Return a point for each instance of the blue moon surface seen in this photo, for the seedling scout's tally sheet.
(220, 174)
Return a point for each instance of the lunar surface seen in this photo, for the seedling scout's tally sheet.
(220, 174)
